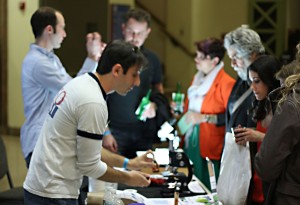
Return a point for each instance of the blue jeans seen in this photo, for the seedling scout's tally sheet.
(32, 199)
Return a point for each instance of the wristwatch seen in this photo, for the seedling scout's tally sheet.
(211, 119)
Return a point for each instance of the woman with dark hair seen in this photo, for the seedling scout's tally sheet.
(262, 73)
(205, 107)
(262, 81)
(278, 161)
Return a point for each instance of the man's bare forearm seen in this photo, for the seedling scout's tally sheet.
(111, 159)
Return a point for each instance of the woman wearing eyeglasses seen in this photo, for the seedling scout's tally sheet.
(205, 107)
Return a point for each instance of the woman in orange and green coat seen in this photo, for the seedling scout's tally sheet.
(205, 107)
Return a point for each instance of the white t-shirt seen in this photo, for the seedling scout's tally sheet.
(70, 142)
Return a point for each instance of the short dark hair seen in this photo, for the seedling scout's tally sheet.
(212, 47)
(138, 14)
(41, 18)
(123, 53)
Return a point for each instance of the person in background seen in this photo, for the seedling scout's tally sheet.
(69, 146)
(126, 134)
(287, 70)
(205, 107)
(43, 74)
(278, 160)
(262, 81)
(243, 47)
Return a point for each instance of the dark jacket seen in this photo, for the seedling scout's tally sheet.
(163, 114)
(278, 160)
(240, 116)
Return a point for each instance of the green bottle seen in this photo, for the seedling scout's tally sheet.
(143, 105)
(178, 98)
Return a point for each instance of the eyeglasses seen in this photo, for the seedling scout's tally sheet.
(202, 57)
(137, 34)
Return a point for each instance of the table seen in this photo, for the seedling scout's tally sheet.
(149, 192)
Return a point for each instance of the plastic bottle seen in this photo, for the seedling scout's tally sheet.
(115, 199)
(111, 198)
(118, 201)
(108, 196)
(107, 199)
(144, 103)
(178, 98)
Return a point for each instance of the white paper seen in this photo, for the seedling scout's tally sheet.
(195, 187)
(162, 201)
(161, 155)
(131, 195)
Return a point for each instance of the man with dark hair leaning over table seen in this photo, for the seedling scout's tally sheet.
(70, 142)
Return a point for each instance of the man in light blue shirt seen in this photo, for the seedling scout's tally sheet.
(43, 75)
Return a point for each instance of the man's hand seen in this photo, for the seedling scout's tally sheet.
(140, 162)
(130, 178)
(94, 45)
(110, 143)
(139, 179)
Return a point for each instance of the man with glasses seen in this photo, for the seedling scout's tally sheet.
(126, 133)
(243, 47)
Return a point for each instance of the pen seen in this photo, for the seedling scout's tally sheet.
(176, 195)
(212, 175)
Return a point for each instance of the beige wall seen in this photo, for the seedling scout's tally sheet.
(19, 38)
(79, 21)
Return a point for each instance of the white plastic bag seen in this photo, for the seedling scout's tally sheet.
(235, 173)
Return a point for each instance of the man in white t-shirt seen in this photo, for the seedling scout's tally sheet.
(70, 142)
